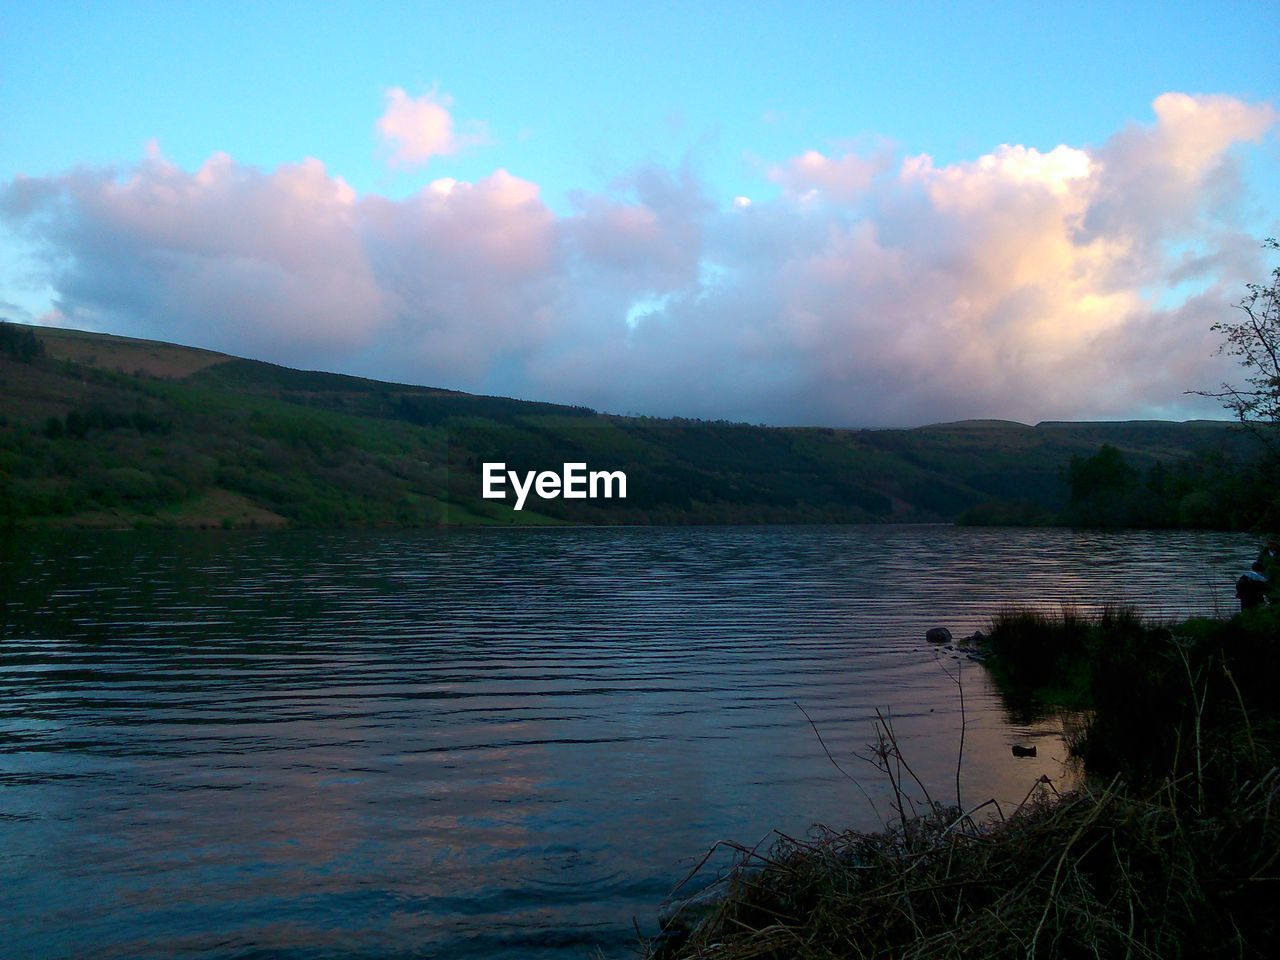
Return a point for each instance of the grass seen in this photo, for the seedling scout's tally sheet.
(1148, 690)
(126, 354)
(1053, 655)
(1169, 848)
(1097, 872)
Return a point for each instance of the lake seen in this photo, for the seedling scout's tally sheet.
(490, 743)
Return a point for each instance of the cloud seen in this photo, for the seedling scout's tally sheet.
(226, 254)
(469, 270)
(841, 178)
(419, 128)
(1031, 284)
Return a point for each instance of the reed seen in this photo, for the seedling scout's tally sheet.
(1096, 872)
(1169, 848)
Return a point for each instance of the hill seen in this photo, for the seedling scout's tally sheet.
(108, 431)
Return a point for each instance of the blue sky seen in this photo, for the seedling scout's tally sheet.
(663, 110)
(576, 94)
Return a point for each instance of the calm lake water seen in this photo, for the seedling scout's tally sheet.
(489, 743)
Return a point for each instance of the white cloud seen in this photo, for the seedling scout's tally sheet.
(419, 128)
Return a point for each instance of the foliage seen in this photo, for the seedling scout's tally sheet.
(1104, 474)
(244, 442)
(20, 342)
(1006, 513)
(1255, 343)
(1206, 490)
(1209, 488)
(1152, 691)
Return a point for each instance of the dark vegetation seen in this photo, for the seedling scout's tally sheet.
(20, 343)
(1188, 701)
(106, 431)
(1215, 487)
(1169, 848)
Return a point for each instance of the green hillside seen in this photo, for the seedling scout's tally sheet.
(108, 431)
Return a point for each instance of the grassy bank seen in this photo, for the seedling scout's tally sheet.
(1171, 848)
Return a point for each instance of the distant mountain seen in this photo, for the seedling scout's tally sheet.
(108, 431)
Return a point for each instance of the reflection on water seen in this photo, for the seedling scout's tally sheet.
(485, 743)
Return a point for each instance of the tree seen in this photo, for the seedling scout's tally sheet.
(1255, 342)
(1104, 490)
(20, 342)
(1105, 474)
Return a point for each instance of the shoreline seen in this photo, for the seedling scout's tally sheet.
(1166, 847)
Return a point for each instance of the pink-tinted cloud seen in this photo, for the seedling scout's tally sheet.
(647, 232)
(843, 178)
(225, 254)
(1029, 284)
(419, 128)
(471, 269)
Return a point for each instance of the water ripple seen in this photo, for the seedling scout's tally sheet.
(485, 743)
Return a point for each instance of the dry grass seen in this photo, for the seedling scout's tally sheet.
(1101, 871)
(212, 509)
(1140, 865)
(1097, 872)
(127, 354)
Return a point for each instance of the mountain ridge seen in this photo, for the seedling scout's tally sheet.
(111, 431)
